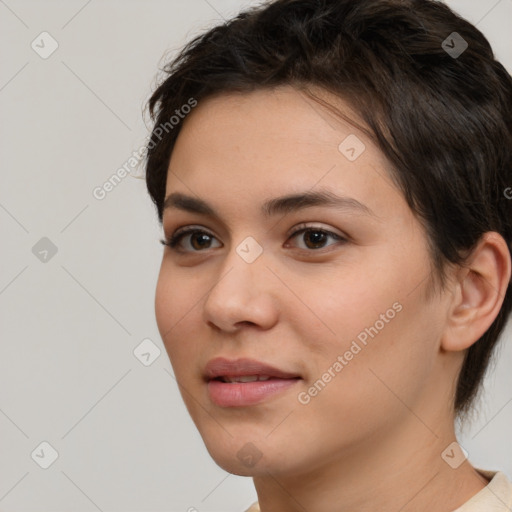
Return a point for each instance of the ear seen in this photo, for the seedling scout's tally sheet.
(478, 292)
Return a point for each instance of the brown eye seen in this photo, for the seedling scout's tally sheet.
(202, 239)
(198, 239)
(315, 238)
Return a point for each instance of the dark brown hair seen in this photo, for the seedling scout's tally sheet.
(443, 119)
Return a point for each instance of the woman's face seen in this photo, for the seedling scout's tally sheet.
(347, 315)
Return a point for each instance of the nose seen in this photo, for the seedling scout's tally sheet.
(242, 293)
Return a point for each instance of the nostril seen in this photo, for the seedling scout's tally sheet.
(245, 323)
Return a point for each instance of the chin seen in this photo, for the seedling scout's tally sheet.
(232, 464)
(239, 457)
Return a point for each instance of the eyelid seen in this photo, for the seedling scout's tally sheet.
(305, 225)
(191, 227)
(289, 233)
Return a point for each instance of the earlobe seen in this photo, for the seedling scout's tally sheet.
(479, 292)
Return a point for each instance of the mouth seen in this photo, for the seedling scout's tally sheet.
(245, 378)
(244, 382)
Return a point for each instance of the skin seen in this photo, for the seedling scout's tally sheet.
(372, 439)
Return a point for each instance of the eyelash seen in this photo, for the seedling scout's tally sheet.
(175, 239)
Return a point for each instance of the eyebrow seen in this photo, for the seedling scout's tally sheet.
(276, 206)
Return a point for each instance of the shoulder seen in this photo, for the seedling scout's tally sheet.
(496, 496)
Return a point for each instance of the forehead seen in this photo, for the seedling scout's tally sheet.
(238, 148)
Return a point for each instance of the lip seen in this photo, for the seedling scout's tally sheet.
(242, 394)
(222, 367)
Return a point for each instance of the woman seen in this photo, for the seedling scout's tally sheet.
(333, 181)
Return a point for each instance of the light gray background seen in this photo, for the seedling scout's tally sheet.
(68, 374)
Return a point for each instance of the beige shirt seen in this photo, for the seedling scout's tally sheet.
(495, 497)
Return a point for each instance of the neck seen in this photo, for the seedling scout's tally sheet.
(402, 470)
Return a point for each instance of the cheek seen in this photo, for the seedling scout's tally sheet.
(379, 324)
(176, 315)
(177, 294)
(373, 380)
(343, 304)
(164, 304)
